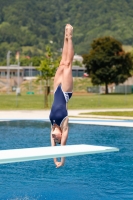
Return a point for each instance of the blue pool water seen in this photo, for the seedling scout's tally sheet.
(107, 176)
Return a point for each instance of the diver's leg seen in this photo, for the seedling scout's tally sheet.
(59, 72)
(67, 80)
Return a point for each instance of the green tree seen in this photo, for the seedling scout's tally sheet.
(25, 61)
(36, 61)
(107, 62)
(19, 24)
(78, 63)
(47, 70)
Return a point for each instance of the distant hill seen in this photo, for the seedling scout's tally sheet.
(28, 26)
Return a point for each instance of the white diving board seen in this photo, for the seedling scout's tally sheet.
(28, 154)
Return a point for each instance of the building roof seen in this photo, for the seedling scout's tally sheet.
(78, 58)
(11, 67)
(76, 67)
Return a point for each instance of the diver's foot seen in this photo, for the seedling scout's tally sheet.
(69, 31)
(66, 31)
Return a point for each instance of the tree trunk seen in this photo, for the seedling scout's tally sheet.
(106, 88)
(46, 95)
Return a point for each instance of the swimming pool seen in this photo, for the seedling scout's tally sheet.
(100, 176)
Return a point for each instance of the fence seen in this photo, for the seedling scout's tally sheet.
(119, 89)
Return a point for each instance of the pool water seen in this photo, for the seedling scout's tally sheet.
(107, 176)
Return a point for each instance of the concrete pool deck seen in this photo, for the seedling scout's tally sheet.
(74, 116)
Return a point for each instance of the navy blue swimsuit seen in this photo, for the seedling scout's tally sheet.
(59, 111)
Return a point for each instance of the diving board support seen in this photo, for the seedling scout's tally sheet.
(29, 154)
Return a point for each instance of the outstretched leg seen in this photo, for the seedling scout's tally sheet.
(67, 80)
(59, 72)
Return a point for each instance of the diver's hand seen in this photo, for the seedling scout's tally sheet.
(59, 164)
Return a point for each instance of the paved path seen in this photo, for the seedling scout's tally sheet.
(43, 114)
(91, 119)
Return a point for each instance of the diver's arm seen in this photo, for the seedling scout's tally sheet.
(65, 130)
(53, 144)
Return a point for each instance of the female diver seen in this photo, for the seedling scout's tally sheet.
(63, 86)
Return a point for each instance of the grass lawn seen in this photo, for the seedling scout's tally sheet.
(96, 101)
(78, 101)
(113, 113)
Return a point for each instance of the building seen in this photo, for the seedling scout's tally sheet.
(78, 58)
(28, 72)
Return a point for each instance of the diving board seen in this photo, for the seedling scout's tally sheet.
(29, 154)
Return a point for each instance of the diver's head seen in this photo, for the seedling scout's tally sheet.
(57, 134)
